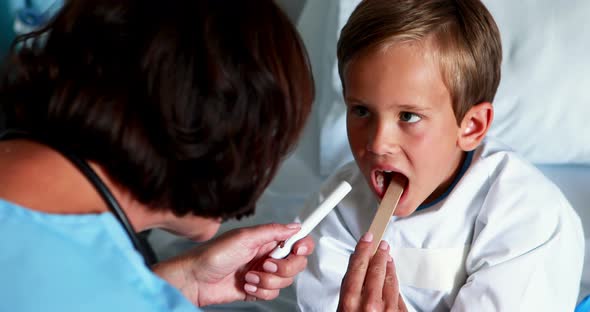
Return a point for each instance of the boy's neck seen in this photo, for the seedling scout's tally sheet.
(443, 191)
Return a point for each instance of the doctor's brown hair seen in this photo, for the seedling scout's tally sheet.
(462, 33)
(190, 105)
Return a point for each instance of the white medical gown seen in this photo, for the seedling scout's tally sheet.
(503, 239)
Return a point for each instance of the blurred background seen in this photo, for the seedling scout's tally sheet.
(21, 16)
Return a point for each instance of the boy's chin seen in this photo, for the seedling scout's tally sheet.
(403, 211)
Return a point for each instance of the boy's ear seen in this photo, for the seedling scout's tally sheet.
(475, 125)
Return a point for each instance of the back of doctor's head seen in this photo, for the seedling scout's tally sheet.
(464, 38)
(191, 105)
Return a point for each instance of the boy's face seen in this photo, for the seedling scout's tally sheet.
(400, 119)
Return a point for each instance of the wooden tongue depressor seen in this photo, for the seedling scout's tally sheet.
(385, 210)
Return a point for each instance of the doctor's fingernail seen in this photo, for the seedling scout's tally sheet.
(250, 288)
(252, 278)
(270, 267)
(383, 245)
(368, 237)
(301, 251)
(294, 225)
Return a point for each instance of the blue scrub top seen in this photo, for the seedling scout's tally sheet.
(64, 263)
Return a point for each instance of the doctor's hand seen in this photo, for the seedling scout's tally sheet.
(370, 282)
(235, 266)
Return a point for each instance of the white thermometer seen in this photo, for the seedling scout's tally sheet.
(284, 248)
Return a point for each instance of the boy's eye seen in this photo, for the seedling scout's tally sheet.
(359, 111)
(409, 117)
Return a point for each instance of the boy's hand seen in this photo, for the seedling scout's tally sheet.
(235, 266)
(370, 283)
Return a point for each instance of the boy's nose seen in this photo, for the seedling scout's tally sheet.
(383, 140)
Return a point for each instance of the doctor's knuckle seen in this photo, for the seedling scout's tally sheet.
(278, 283)
(288, 269)
(303, 264)
(295, 267)
(269, 282)
(262, 294)
(271, 294)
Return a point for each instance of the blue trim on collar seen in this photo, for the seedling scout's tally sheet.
(466, 164)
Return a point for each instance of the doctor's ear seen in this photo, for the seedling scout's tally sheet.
(475, 125)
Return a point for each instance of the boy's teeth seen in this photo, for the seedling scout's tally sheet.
(380, 180)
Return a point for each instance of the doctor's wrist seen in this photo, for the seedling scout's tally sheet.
(177, 272)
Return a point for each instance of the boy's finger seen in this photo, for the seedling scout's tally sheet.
(390, 287)
(401, 305)
(357, 266)
(376, 272)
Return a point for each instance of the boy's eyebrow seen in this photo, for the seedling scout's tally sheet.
(411, 107)
(408, 107)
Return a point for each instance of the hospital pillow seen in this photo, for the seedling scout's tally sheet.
(542, 104)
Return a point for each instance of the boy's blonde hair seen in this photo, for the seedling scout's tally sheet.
(463, 34)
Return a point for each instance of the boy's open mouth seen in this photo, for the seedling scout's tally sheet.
(382, 179)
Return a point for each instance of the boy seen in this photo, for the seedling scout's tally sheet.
(477, 228)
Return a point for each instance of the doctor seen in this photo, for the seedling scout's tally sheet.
(140, 114)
